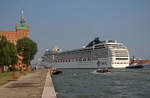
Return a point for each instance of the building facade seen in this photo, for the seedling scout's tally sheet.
(22, 30)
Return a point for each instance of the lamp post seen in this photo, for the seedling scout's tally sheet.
(53, 58)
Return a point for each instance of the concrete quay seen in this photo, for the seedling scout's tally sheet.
(36, 85)
(49, 91)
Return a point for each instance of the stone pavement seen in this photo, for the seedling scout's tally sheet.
(29, 86)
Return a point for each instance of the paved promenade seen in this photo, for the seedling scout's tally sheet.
(29, 86)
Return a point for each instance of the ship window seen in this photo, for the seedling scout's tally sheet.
(121, 58)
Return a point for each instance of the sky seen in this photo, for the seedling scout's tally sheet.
(71, 24)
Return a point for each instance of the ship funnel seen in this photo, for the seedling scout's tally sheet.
(94, 42)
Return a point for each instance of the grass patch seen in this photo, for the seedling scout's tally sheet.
(7, 76)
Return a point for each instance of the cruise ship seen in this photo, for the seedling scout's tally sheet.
(97, 54)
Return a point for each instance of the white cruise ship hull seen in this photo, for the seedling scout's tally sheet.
(102, 54)
(87, 64)
(83, 64)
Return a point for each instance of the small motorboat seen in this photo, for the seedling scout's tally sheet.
(135, 66)
(56, 72)
(102, 70)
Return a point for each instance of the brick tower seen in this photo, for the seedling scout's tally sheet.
(22, 30)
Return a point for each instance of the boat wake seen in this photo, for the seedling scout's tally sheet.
(94, 72)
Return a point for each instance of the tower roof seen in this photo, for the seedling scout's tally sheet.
(22, 17)
(22, 24)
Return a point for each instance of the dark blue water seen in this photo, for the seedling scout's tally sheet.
(120, 83)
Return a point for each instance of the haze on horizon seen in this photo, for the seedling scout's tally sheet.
(71, 24)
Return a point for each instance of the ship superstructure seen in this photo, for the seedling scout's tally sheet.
(109, 54)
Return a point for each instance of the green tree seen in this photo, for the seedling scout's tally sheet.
(8, 52)
(27, 49)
